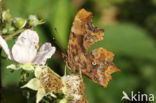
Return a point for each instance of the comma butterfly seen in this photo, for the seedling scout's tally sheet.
(97, 64)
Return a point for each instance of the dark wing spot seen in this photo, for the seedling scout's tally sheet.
(90, 27)
(80, 41)
(109, 63)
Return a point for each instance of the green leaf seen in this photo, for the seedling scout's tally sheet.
(60, 21)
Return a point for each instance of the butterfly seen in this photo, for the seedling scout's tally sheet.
(98, 64)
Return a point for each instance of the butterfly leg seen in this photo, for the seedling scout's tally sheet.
(65, 70)
(80, 72)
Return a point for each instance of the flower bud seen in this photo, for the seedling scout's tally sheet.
(11, 29)
(33, 20)
(20, 22)
(4, 31)
(6, 15)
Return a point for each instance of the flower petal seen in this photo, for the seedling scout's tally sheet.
(46, 51)
(31, 35)
(5, 47)
(33, 84)
(40, 94)
(25, 48)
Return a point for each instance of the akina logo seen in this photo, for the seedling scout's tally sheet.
(137, 96)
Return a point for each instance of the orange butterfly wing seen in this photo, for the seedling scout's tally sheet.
(97, 64)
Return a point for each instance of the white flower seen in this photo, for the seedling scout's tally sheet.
(25, 49)
(4, 45)
(38, 85)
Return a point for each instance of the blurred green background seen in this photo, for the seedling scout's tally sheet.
(130, 32)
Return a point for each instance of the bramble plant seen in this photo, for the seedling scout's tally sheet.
(44, 80)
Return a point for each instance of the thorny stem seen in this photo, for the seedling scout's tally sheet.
(13, 34)
(7, 38)
(0, 59)
(0, 74)
(0, 10)
(0, 6)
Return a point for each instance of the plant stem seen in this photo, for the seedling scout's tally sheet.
(53, 72)
(0, 74)
(0, 58)
(0, 6)
(14, 34)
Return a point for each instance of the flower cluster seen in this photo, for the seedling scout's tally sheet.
(30, 58)
(45, 81)
(11, 24)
